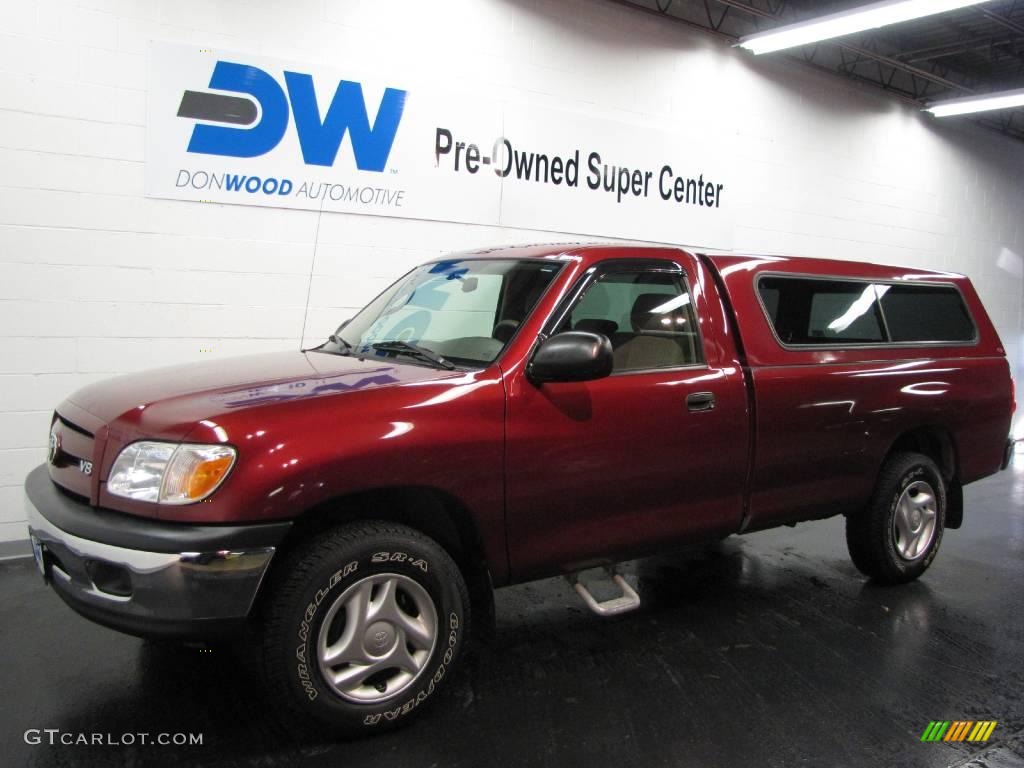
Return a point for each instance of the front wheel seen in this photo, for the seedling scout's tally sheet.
(360, 629)
(897, 536)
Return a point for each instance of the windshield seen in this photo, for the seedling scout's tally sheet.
(463, 311)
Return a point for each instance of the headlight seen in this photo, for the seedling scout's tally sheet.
(169, 473)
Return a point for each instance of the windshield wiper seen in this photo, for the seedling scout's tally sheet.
(414, 350)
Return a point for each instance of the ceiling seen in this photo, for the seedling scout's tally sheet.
(974, 50)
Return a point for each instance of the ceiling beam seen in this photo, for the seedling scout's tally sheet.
(954, 49)
(1002, 20)
(664, 14)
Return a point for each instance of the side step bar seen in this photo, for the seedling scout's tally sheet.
(629, 600)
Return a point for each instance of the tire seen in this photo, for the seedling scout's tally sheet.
(882, 539)
(368, 593)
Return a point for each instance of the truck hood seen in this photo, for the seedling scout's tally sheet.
(170, 401)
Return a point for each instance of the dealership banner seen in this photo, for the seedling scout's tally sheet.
(239, 128)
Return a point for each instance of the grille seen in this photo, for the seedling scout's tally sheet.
(75, 428)
(76, 448)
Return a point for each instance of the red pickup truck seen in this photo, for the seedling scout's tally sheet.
(505, 415)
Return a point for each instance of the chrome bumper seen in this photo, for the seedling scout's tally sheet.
(181, 593)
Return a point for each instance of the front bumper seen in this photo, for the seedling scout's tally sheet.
(147, 577)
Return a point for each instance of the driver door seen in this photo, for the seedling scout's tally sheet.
(602, 470)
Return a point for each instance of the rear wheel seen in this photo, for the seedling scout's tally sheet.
(361, 628)
(897, 536)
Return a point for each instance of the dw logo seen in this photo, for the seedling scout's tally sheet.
(319, 137)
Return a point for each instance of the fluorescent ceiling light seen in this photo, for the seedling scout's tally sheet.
(983, 103)
(859, 308)
(673, 303)
(847, 22)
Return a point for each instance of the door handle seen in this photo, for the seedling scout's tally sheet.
(700, 401)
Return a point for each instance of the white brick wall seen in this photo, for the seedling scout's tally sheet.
(95, 279)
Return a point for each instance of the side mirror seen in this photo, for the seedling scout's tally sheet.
(571, 356)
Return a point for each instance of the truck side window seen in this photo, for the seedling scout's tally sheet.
(648, 316)
(821, 311)
(926, 313)
(809, 311)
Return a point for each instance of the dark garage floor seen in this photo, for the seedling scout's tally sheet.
(767, 650)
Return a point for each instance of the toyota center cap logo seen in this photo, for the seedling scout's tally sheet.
(54, 447)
